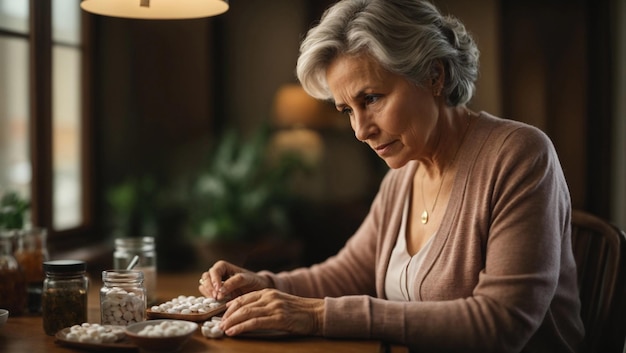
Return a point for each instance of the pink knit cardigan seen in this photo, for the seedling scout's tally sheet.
(500, 275)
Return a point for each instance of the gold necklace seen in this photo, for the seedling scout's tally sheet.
(425, 214)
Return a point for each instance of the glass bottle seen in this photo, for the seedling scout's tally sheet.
(64, 295)
(122, 297)
(12, 280)
(31, 253)
(144, 247)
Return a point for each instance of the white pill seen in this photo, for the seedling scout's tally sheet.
(108, 338)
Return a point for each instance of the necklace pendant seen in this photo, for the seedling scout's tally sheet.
(424, 217)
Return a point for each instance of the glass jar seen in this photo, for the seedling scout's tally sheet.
(144, 248)
(64, 295)
(31, 253)
(122, 297)
(12, 280)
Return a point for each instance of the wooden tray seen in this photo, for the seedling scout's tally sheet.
(122, 345)
(188, 317)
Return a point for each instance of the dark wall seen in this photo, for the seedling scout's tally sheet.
(155, 83)
(557, 75)
(545, 73)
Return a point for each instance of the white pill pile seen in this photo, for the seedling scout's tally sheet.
(167, 328)
(211, 329)
(121, 307)
(187, 305)
(95, 333)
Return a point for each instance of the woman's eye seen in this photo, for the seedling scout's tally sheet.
(346, 111)
(370, 98)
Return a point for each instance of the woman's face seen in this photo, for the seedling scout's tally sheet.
(394, 116)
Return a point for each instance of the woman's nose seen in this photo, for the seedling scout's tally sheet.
(363, 126)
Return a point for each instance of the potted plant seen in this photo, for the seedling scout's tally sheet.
(13, 209)
(242, 196)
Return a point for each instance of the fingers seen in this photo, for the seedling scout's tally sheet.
(246, 313)
(207, 293)
(205, 287)
(217, 281)
(214, 277)
(237, 285)
(272, 309)
(224, 280)
(258, 321)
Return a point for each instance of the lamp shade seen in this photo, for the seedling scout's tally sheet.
(293, 107)
(156, 9)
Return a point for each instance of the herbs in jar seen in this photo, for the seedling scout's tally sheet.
(64, 297)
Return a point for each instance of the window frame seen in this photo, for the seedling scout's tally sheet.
(41, 124)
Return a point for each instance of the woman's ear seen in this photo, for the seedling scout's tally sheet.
(437, 77)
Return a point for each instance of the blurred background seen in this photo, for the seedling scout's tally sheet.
(196, 131)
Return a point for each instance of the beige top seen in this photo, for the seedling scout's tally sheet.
(402, 269)
(500, 275)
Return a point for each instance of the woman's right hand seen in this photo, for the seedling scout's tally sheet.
(225, 280)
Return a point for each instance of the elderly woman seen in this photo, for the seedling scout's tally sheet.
(466, 247)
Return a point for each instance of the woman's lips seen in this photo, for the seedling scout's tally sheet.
(384, 149)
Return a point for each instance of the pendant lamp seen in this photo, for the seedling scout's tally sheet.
(156, 9)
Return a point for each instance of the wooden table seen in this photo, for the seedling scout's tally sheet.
(24, 334)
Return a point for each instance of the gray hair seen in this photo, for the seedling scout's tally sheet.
(405, 36)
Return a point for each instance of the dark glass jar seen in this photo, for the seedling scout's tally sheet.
(12, 279)
(64, 296)
(30, 254)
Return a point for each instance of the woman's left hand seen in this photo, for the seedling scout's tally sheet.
(271, 309)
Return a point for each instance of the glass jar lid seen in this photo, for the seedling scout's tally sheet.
(135, 244)
(64, 266)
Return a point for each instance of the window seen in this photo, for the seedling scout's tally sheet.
(43, 135)
(66, 113)
(14, 159)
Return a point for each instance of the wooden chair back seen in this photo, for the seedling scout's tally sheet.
(600, 252)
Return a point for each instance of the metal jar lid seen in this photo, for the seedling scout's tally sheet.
(64, 266)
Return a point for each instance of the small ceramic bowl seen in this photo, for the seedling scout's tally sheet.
(165, 343)
(4, 316)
